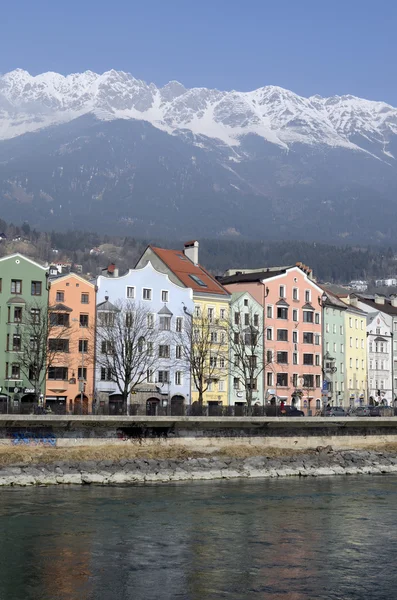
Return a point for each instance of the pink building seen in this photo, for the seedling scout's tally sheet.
(292, 330)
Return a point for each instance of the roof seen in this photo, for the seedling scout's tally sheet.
(60, 307)
(332, 299)
(189, 274)
(385, 308)
(252, 277)
(106, 306)
(165, 311)
(16, 300)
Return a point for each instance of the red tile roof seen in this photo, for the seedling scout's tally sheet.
(183, 268)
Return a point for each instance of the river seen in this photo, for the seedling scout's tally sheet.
(290, 539)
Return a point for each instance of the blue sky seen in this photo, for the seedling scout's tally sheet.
(307, 46)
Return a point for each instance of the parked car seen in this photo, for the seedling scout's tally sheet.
(291, 411)
(335, 411)
(362, 411)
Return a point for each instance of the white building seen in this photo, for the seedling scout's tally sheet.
(380, 357)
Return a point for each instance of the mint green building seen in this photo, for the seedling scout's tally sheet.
(334, 350)
(23, 287)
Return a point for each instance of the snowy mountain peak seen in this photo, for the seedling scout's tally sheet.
(29, 103)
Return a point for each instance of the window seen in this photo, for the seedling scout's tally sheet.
(83, 345)
(282, 335)
(282, 312)
(16, 286)
(223, 337)
(252, 385)
(178, 377)
(334, 328)
(294, 337)
(250, 339)
(308, 381)
(15, 371)
(341, 329)
(356, 342)
(221, 386)
(362, 343)
(197, 311)
(209, 387)
(308, 337)
(164, 351)
(245, 302)
(83, 320)
(282, 379)
(164, 296)
(295, 358)
(351, 363)
(197, 280)
(60, 297)
(269, 333)
(342, 348)
(350, 322)
(327, 328)
(318, 381)
(269, 356)
(222, 313)
(246, 319)
(307, 316)
(236, 318)
(82, 373)
(236, 338)
(335, 347)
(106, 347)
(85, 298)
(210, 314)
(178, 352)
(317, 360)
(295, 380)
(58, 319)
(269, 378)
(317, 318)
(60, 373)
(149, 347)
(253, 362)
(16, 342)
(178, 324)
(214, 337)
(327, 346)
(295, 294)
(282, 358)
(147, 294)
(295, 315)
(213, 361)
(308, 359)
(150, 321)
(106, 319)
(163, 377)
(165, 323)
(149, 376)
(236, 360)
(317, 340)
(356, 323)
(351, 342)
(58, 345)
(222, 362)
(362, 365)
(18, 314)
(106, 374)
(307, 296)
(282, 291)
(269, 312)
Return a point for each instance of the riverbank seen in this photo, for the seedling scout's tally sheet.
(49, 466)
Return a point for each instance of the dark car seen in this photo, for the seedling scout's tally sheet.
(335, 411)
(291, 411)
(362, 411)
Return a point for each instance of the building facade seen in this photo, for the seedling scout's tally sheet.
(23, 300)
(71, 345)
(380, 358)
(167, 306)
(355, 357)
(211, 305)
(334, 346)
(292, 304)
(246, 360)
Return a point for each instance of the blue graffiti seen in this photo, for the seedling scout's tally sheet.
(27, 438)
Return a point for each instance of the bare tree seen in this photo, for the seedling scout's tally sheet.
(203, 344)
(40, 342)
(246, 347)
(129, 346)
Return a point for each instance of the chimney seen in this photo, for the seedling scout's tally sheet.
(353, 301)
(393, 300)
(191, 251)
(379, 299)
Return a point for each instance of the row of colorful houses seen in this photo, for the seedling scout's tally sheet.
(311, 346)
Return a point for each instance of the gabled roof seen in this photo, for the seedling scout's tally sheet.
(385, 308)
(165, 311)
(252, 277)
(282, 302)
(60, 308)
(106, 306)
(332, 299)
(192, 276)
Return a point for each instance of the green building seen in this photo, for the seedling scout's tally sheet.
(334, 349)
(23, 314)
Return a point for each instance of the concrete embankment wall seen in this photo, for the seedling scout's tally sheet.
(202, 433)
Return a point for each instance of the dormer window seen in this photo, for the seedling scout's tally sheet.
(197, 280)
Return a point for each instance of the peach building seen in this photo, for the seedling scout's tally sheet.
(292, 305)
(71, 347)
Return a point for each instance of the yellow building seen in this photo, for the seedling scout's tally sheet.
(355, 377)
(212, 303)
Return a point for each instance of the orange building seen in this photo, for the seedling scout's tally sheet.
(71, 345)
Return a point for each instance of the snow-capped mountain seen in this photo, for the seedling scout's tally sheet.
(110, 152)
(279, 116)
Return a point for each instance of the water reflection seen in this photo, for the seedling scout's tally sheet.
(290, 539)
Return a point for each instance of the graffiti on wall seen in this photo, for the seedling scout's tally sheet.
(32, 437)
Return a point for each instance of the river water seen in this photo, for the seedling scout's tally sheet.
(290, 539)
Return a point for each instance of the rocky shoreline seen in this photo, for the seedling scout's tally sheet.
(321, 462)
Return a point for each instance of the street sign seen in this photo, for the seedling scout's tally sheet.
(16, 390)
(325, 386)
